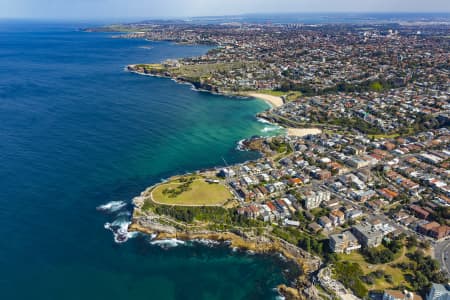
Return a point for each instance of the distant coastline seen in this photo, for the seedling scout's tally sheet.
(151, 225)
(272, 100)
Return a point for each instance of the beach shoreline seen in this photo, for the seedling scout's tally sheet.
(273, 101)
(301, 132)
(144, 223)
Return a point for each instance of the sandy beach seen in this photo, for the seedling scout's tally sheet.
(273, 101)
(303, 131)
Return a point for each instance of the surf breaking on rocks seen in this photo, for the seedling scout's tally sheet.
(118, 227)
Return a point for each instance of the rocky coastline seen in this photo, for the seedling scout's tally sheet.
(301, 286)
(306, 264)
(196, 84)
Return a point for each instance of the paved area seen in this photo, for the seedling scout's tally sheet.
(442, 254)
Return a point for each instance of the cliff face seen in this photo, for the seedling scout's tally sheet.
(306, 264)
(159, 71)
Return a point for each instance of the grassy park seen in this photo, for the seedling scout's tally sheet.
(396, 274)
(191, 192)
(290, 96)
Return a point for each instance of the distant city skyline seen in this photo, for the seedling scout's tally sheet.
(141, 9)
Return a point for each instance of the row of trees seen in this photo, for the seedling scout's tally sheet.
(377, 85)
(213, 214)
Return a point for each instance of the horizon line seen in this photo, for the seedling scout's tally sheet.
(148, 18)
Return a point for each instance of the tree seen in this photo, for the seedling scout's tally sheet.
(411, 241)
(376, 86)
(308, 244)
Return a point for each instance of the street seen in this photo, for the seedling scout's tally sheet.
(441, 252)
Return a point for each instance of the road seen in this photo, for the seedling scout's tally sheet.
(442, 254)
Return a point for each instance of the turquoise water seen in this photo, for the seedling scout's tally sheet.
(77, 131)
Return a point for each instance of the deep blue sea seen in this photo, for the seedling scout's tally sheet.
(76, 132)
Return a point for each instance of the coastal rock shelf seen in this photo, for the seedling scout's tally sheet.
(237, 239)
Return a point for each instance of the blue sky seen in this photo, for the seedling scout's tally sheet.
(132, 9)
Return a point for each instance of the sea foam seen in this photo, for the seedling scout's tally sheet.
(261, 120)
(119, 228)
(169, 243)
(240, 146)
(206, 242)
(112, 206)
(269, 129)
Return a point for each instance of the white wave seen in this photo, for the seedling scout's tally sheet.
(119, 229)
(112, 206)
(250, 252)
(261, 120)
(240, 146)
(206, 242)
(124, 214)
(269, 129)
(282, 257)
(169, 243)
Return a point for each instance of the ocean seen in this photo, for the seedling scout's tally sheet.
(77, 132)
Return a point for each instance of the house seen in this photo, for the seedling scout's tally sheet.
(368, 235)
(344, 242)
(295, 181)
(439, 232)
(291, 223)
(419, 211)
(363, 196)
(388, 194)
(227, 173)
(389, 146)
(322, 175)
(313, 199)
(424, 228)
(376, 204)
(251, 211)
(400, 295)
(353, 214)
(314, 227)
(325, 222)
(430, 158)
(439, 292)
(331, 204)
(357, 162)
(337, 217)
(434, 230)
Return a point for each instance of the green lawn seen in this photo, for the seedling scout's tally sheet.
(290, 96)
(273, 93)
(199, 193)
(380, 284)
(384, 136)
